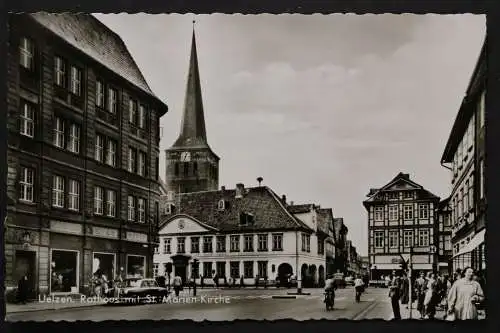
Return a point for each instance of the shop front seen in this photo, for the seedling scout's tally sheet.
(472, 254)
(136, 266)
(64, 271)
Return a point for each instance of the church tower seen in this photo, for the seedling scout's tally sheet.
(192, 166)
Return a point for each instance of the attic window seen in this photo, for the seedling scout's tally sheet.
(221, 205)
(246, 218)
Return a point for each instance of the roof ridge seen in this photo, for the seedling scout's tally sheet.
(277, 199)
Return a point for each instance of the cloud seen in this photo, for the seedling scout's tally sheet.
(322, 106)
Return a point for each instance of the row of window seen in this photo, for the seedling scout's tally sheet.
(408, 210)
(70, 76)
(393, 240)
(248, 244)
(67, 135)
(407, 195)
(463, 201)
(105, 200)
(464, 148)
(220, 271)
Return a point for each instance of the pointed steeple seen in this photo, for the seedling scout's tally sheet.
(193, 133)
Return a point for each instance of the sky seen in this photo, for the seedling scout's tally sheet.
(323, 107)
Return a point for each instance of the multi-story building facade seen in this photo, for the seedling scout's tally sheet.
(321, 221)
(401, 220)
(340, 234)
(83, 147)
(465, 151)
(242, 233)
(353, 260)
(325, 216)
(191, 165)
(445, 252)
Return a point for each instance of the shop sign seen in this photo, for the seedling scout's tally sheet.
(66, 228)
(105, 232)
(137, 237)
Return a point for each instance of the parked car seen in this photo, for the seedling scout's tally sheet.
(139, 290)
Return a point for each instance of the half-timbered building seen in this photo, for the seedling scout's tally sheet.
(401, 220)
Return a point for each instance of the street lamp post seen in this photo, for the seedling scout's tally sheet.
(195, 271)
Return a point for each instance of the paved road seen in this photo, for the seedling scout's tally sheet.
(220, 305)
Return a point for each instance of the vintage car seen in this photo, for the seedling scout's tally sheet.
(138, 290)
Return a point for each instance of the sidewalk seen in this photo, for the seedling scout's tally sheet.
(405, 312)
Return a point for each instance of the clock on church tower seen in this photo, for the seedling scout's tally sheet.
(192, 166)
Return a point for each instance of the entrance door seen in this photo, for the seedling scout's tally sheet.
(25, 262)
(180, 270)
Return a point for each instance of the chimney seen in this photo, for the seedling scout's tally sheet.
(283, 199)
(291, 203)
(240, 190)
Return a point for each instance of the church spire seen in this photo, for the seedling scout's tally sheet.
(193, 133)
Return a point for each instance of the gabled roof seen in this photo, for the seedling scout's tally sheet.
(339, 227)
(90, 36)
(325, 220)
(266, 207)
(401, 182)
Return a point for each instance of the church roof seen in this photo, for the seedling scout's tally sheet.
(90, 36)
(193, 133)
(268, 211)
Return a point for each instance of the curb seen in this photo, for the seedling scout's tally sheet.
(284, 297)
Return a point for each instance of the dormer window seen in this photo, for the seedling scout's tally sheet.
(221, 205)
(170, 195)
(246, 219)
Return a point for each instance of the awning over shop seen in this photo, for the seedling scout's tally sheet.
(477, 240)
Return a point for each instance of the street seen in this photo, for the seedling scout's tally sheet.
(236, 304)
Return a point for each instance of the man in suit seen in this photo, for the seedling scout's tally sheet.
(395, 294)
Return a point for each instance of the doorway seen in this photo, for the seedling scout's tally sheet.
(25, 263)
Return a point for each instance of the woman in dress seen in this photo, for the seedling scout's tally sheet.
(464, 295)
(430, 295)
(420, 287)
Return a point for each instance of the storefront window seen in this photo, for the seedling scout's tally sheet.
(104, 265)
(64, 271)
(136, 266)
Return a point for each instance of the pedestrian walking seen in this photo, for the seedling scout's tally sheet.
(430, 296)
(394, 294)
(464, 296)
(405, 292)
(177, 282)
(358, 287)
(420, 288)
